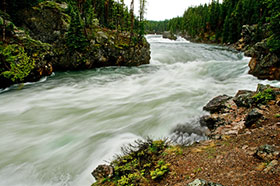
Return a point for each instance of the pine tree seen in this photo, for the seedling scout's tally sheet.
(76, 40)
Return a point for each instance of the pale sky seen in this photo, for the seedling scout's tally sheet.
(166, 9)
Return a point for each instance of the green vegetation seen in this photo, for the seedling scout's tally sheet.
(139, 163)
(161, 169)
(264, 96)
(274, 12)
(222, 22)
(85, 26)
(18, 64)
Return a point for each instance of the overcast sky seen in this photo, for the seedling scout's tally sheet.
(166, 9)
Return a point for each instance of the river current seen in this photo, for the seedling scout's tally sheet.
(56, 131)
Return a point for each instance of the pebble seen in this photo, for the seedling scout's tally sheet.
(270, 166)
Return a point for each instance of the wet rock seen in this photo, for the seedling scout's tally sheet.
(188, 133)
(264, 64)
(169, 35)
(243, 98)
(200, 182)
(218, 104)
(253, 116)
(210, 122)
(266, 153)
(103, 171)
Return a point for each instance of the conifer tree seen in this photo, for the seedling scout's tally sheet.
(76, 40)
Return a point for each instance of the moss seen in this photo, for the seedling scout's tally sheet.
(264, 96)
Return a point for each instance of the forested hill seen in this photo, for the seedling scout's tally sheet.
(38, 37)
(110, 13)
(252, 26)
(222, 22)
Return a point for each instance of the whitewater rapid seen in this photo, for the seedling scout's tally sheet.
(56, 131)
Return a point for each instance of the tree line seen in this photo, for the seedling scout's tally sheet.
(111, 14)
(222, 22)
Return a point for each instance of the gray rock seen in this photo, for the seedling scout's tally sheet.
(253, 116)
(208, 121)
(200, 182)
(243, 98)
(44, 21)
(169, 35)
(217, 104)
(267, 153)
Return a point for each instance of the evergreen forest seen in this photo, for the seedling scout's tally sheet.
(222, 22)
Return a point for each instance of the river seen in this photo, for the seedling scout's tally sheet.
(56, 131)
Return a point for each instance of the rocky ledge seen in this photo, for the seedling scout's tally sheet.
(264, 64)
(243, 148)
(46, 39)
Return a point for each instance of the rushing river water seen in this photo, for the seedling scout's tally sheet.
(55, 132)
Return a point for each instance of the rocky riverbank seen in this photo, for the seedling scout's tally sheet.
(243, 148)
(46, 39)
(264, 63)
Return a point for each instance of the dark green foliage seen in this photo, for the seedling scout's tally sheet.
(76, 39)
(264, 96)
(110, 13)
(223, 21)
(13, 7)
(274, 19)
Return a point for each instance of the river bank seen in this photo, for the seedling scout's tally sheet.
(54, 36)
(264, 63)
(243, 148)
(56, 131)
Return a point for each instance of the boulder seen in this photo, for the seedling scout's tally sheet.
(253, 116)
(46, 37)
(31, 58)
(217, 104)
(169, 35)
(264, 63)
(47, 22)
(201, 182)
(265, 66)
(267, 153)
(103, 171)
(243, 98)
(210, 122)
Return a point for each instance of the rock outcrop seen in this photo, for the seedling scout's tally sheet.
(169, 35)
(264, 63)
(50, 42)
(231, 115)
(22, 58)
